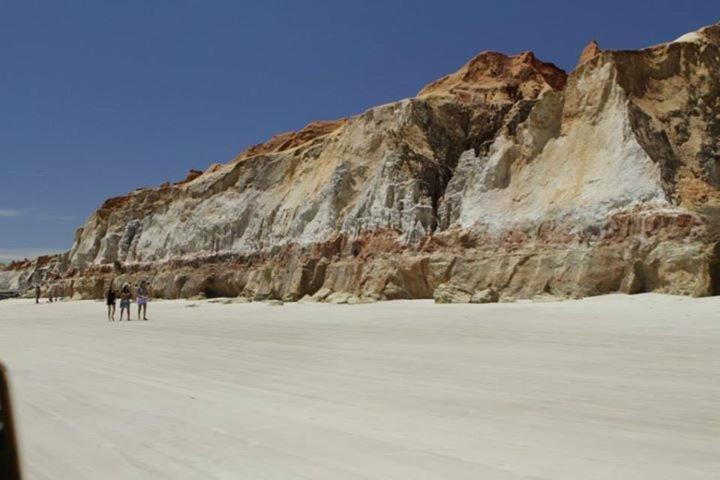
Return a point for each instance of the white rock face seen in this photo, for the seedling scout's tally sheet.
(12, 280)
(593, 167)
(708, 35)
(351, 182)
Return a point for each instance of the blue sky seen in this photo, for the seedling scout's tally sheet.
(100, 97)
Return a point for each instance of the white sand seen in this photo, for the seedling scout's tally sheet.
(606, 388)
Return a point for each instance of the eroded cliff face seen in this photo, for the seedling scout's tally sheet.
(507, 174)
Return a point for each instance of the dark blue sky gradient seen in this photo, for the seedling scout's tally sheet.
(100, 97)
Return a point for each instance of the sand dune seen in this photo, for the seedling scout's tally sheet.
(602, 388)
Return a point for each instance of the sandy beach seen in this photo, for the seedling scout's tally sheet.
(614, 387)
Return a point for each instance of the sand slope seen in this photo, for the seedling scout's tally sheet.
(602, 388)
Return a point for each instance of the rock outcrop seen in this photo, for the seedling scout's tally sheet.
(508, 177)
(590, 50)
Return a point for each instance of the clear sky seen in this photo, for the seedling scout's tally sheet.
(100, 97)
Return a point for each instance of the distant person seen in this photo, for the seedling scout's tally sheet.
(143, 295)
(110, 296)
(125, 296)
(37, 293)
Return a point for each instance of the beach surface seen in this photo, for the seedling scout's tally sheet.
(613, 387)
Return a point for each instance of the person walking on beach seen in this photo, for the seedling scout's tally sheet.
(125, 296)
(37, 293)
(110, 300)
(143, 296)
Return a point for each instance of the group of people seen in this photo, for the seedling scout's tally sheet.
(142, 296)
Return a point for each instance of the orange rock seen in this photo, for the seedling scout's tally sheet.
(288, 140)
(192, 175)
(590, 50)
(495, 77)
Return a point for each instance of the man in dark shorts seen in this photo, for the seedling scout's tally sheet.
(110, 299)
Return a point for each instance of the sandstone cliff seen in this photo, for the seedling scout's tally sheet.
(508, 174)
